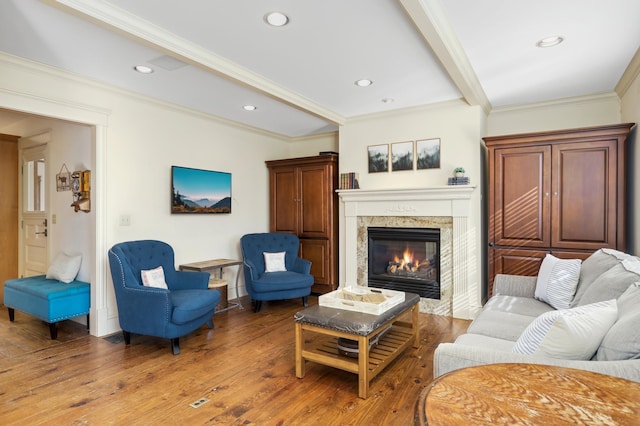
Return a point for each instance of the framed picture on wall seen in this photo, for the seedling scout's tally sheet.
(378, 158)
(402, 156)
(200, 191)
(428, 154)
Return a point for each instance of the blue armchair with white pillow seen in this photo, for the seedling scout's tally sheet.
(272, 268)
(153, 297)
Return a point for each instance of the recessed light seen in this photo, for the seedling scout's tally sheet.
(276, 19)
(143, 69)
(550, 41)
(363, 83)
(249, 107)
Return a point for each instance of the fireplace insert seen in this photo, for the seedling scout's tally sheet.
(405, 259)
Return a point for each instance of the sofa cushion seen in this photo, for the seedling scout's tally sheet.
(612, 283)
(517, 305)
(501, 325)
(480, 341)
(595, 265)
(568, 333)
(622, 341)
(557, 281)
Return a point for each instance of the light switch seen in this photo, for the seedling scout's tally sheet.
(125, 220)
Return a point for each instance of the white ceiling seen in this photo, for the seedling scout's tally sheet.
(301, 76)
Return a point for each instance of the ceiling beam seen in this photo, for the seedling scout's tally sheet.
(130, 25)
(431, 21)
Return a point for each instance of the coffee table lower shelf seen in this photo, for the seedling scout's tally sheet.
(322, 348)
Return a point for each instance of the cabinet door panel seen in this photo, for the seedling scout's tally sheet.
(315, 195)
(515, 262)
(317, 251)
(521, 210)
(584, 195)
(284, 205)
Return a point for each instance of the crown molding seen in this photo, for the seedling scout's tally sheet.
(629, 76)
(130, 25)
(597, 97)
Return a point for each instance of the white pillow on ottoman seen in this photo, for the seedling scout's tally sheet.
(64, 267)
(557, 281)
(568, 333)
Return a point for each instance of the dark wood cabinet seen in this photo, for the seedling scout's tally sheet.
(303, 201)
(560, 192)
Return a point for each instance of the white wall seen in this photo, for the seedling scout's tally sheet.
(564, 114)
(631, 114)
(460, 128)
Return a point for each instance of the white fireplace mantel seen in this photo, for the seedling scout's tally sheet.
(442, 201)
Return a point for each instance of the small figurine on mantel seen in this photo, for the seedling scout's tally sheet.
(459, 177)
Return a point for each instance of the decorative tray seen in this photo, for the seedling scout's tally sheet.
(362, 299)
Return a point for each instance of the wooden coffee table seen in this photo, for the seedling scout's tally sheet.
(328, 324)
(528, 394)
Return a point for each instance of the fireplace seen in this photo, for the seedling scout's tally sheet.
(405, 259)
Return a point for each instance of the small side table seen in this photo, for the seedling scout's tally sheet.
(217, 264)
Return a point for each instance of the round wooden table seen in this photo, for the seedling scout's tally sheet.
(528, 394)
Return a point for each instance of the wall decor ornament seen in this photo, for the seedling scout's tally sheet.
(428, 154)
(200, 191)
(378, 158)
(63, 179)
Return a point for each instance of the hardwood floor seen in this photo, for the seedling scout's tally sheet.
(244, 366)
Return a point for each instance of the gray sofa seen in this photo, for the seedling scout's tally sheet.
(606, 274)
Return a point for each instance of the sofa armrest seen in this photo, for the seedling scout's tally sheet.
(190, 280)
(514, 285)
(302, 266)
(451, 356)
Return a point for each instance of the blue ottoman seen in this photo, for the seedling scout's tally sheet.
(50, 300)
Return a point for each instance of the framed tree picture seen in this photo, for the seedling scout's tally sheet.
(378, 158)
(402, 156)
(428, 154)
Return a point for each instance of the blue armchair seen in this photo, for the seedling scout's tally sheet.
(295, 281)
(185, 306)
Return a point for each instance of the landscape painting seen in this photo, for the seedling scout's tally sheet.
(200, 191)
(402, 156)
(428, 152)
(378, 158)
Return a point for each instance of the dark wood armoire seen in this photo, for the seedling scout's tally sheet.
(303, 201)
(560, 192)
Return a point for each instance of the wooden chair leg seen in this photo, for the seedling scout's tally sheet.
(175, 345)
(305, 301)
(87, 321)
(258, 306)
(12, 314)
(127, 337)
(53, 330)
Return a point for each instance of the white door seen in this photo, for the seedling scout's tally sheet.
(34, 230)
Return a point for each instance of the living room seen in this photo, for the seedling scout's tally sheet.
(130, 142)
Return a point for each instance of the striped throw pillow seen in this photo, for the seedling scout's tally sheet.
(568, 333)
(557, 281)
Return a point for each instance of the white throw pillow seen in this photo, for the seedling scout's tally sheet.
(64, 267)
(557, 281)
(154, 278)
(274, 262)
(568, 333)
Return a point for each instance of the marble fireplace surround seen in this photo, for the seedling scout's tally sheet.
(446, 208)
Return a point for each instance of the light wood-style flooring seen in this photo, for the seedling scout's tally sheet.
(244, 366)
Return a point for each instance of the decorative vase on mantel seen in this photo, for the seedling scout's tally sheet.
(458, 172)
